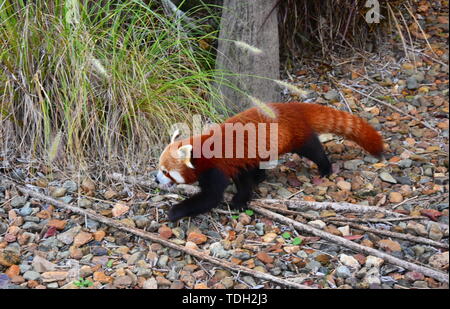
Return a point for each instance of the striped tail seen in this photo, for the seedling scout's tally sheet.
(323, 119)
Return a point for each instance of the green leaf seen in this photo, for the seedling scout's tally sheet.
(297, 241)
(249, 212)
(286, 235)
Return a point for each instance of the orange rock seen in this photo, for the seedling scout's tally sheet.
(119, 209)
(12, 271)
(264, 257)
(82, 238)
(389, 245)
(100, 276)
(165, 232)
(58, 224)
(197, 238)
(99, 235)
(201, 286)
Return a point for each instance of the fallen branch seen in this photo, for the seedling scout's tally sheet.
(304, 205)
(408, 237)
(343, 222)
(429, 272)
(155, 238)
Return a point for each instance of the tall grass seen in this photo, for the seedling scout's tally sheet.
(85, 81)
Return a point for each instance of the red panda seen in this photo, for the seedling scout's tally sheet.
(297, 127)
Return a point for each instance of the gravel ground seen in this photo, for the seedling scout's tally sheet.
(43, 247)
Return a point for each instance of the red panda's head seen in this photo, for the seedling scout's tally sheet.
(175, 163)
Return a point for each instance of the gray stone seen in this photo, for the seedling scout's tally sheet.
(412, 83)
(84, 203)
(332, 95)
(3, 227)
(31, 275)
(141, 221)
(32, 227)
(71, 186)
(218, 251)
(385, 176)
(162, 261)
(313, 266)
(26, 210)
(353, 165)
(18, 201)
(42, 265)
(68, 236)
(343, 272)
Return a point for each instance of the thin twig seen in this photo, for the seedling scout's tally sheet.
(408, 237)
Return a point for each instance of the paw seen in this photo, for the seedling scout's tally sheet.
(239, 205)
(177, 212)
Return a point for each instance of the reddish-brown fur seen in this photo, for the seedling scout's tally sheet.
(296, 123)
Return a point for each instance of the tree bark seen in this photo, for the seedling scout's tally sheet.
(239, 67)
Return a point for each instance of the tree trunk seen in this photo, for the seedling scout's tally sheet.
(255, 24)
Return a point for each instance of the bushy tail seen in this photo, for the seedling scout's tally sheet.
(323, 119)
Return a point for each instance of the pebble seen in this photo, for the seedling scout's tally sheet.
(344, 230)
(440, 260)
(385, 176)
(120, 209)
(218, 251)
(197, 238)
(165, 232)
(395, 197)
(264, 257)
(122, 281)
(150, 284)
(18, 201)
(412, 83)
(42, 265)
(26, 210)
(82, 238)
(317, 224)
(68, 236)
(353, 165)
(84, 203)
(332, 95)
(416, 228)
(389, 245)
(59, 192)
(141, 221)
(52, 276)
(70, 185)
(373, 261)
(344, 185)
(435, 232)
(32, 227)
(269, 237)
(343, 272)
(31, 275)
(349, 261)
(313, 266)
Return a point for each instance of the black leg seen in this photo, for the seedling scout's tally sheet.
(313, 150)
(245, 183)
(213, 183)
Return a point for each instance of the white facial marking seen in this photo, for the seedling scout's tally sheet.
(163, 179)
(177, 176)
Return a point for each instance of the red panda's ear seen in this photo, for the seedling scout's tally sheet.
(184, 154)
(174, 135)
